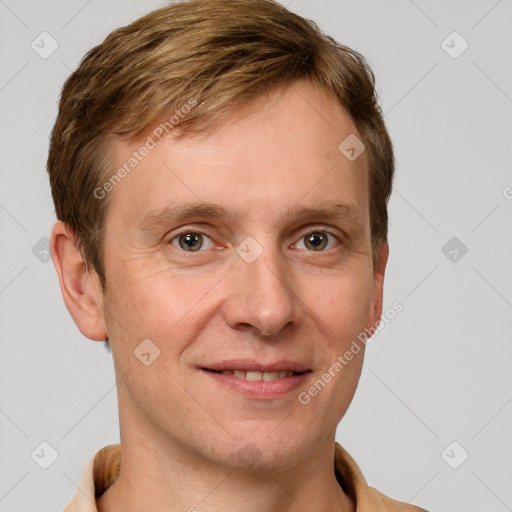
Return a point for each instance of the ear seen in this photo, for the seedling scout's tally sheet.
(81, 287)
(375, 310)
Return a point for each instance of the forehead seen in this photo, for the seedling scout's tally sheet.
(267, 159)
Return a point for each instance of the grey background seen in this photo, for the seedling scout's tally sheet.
(439, 372)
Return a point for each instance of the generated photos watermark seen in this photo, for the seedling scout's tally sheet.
(144, 150)
(363, 338)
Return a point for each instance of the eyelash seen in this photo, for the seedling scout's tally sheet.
(302, 236)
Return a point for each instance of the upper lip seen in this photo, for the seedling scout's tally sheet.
(256, 366)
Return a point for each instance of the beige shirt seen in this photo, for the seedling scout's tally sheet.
(104, 467)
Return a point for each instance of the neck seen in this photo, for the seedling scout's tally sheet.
(173, 480)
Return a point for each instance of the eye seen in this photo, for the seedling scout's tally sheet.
(318, 240)
(194, 241)
(191, 241)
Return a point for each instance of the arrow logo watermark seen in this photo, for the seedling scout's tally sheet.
(249, 250)
(146, 352)
(454, 249)
(351, 147)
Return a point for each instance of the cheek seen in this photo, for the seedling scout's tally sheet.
(341, 303)
(159, 306)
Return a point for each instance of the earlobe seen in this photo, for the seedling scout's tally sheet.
(80, 287)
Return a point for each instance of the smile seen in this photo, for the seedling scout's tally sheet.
(255, 376)
(259, 383)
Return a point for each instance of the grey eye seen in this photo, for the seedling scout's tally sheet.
(190, 241)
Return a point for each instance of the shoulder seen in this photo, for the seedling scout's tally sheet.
(387, 504)
(365, 498)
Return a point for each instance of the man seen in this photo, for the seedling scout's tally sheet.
(220, 172)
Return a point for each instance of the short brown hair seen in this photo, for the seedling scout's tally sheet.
(218, 53)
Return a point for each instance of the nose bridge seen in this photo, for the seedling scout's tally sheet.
(260, 293)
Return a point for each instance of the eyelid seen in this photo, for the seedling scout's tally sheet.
(326, 229)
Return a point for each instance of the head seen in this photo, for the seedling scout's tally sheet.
(244, 119)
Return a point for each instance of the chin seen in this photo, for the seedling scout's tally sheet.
(261, 451)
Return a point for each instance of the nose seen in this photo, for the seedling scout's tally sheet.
(260, 295)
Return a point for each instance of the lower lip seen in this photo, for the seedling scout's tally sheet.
(260, 389)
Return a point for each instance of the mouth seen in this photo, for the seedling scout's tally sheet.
(256, 380)
(257, 375)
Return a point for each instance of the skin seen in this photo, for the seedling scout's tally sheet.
(182, 431)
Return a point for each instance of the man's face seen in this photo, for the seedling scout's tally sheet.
(264, 288)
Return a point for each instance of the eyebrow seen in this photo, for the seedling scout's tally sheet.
(181, 212)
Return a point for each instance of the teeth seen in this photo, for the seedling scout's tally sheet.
(252, 375)
(255, 376)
